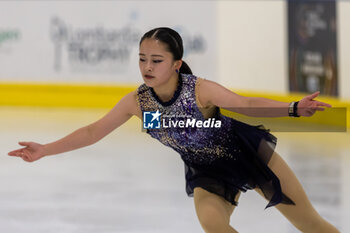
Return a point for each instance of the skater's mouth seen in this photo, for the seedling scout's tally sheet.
(149, 76)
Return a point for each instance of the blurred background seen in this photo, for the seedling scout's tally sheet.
(64, 64)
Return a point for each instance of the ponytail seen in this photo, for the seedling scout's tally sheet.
(185, 69)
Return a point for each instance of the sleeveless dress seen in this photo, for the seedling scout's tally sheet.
(223, 160)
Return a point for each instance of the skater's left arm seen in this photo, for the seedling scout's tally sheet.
(212, 93)
(307, 106)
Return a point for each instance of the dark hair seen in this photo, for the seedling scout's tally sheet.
(173, 41)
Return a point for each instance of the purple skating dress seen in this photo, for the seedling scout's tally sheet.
(221, 160)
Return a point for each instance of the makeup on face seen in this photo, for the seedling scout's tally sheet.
(156, 63)
(149, 76)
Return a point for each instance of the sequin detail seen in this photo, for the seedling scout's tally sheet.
(195, 145)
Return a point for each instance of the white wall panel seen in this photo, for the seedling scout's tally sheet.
(97, 41)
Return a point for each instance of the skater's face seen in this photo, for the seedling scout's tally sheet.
(156, 63)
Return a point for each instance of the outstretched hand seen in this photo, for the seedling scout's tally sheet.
(308, 106)
(30, 153)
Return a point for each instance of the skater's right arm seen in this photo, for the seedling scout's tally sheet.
(85, 136)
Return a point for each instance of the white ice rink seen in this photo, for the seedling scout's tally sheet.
(130, 183)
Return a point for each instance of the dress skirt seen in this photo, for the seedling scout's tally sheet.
(226, 176)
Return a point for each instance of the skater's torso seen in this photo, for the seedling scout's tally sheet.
(199, 143)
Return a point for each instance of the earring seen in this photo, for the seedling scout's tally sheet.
(177, 71)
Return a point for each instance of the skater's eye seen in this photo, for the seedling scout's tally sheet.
(157, 61)
(142, 60)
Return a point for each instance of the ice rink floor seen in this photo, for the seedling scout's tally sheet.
(130, 183)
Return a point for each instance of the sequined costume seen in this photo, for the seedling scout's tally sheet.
(221, 160)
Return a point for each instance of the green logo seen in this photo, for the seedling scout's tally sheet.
(8, 35)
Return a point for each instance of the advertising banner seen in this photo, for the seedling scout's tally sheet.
(97, 41)
(312, 28)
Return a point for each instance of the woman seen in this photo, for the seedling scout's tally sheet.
(221, 159)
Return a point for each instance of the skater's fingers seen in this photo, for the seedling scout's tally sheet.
(12, 153)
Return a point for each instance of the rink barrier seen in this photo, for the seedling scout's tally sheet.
(106, 96)
(62, 95)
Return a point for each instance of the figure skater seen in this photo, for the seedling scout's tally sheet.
(220, 162)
